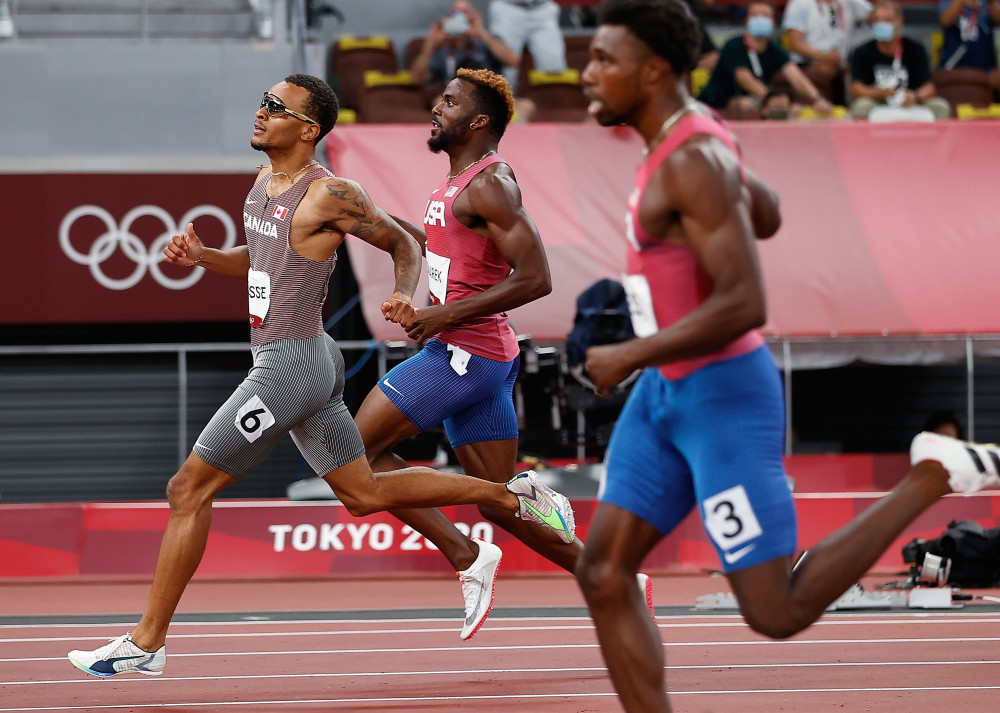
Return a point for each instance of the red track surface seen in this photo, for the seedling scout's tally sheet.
(894, 661)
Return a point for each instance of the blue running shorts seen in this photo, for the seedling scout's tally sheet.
(475, 406)
(713, 438)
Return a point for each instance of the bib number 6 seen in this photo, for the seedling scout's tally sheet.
(253, 419)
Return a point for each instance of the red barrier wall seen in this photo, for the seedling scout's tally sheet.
(281, 538)
(888, 229)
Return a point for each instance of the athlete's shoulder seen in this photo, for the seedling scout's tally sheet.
(337, 190)
(496, 179)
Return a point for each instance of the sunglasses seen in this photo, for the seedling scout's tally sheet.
(273, 107)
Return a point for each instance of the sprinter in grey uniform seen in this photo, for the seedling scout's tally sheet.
(296, 215)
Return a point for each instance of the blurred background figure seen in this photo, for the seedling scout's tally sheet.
(459, 40)
(944, 422)
(533, 24)
(821, 33)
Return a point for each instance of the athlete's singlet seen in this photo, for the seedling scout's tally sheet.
(711, 429)
(296, 384)
(462, 263)
(286, 290)
(664, 282)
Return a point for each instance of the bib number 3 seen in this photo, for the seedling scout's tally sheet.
(730, 519)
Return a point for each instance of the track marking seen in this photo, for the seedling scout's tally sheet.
(573, 696)
(500, 671)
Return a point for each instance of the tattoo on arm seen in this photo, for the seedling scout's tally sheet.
(360, 218)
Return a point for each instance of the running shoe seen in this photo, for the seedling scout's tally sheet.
(542, 504)
(971, 466)
(120, 656)
(477, 587)
(646, 587)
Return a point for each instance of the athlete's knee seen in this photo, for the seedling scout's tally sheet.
(497, 515)
(185, 493)
(360, 498)
(600, 580)
(775, 622)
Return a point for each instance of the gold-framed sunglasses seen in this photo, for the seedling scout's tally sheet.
(274, 107)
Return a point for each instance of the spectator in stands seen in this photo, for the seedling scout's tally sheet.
(263, 18)
(944, 422)
(891, 69)
(747, 65)
(709, 52)
(819, 32)
(968, 35)
(457, 40)
(776, 105)
(533, 24)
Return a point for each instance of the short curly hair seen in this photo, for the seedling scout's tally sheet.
(322, 106)
(492, 95)
(666, 26)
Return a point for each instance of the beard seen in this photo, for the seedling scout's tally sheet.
(259, 144)
(446, 137)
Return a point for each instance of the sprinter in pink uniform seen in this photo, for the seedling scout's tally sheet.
(484, 257)
(704, 424)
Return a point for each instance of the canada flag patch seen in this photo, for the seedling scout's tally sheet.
(279, 212)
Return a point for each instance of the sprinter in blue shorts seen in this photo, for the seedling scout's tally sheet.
(704, 423)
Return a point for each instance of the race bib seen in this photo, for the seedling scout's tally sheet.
(730, 520)
(259, 290)
(437, 275)
(253, 419)
(640, 305)
(459, 359)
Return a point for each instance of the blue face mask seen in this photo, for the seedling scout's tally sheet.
(760, 26)
(883, 31)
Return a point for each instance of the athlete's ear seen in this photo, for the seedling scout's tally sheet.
(479, 121)
(655, 69)
(309, 133)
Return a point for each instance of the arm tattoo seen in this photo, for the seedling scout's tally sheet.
(371, 226)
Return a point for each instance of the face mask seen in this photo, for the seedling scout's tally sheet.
(760, 26)
(883, 31)
(777, 114)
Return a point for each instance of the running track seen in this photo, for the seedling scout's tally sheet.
(392, 645)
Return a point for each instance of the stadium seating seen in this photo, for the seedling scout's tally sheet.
(557, 97)
(352, 56)
(964, 85)
(392, 98)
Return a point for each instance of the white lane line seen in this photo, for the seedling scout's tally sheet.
(571, 697)
(500, 672)
(465, 649)
(495, 627)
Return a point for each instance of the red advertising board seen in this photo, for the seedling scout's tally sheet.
(89, 247)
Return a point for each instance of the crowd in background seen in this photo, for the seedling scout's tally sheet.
(805, 59)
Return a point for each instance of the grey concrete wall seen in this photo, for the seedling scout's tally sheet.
(166, 105)
(94, 99)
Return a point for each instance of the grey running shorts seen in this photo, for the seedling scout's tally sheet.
(295, 386)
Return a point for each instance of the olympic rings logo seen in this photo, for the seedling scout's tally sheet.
(133, 247)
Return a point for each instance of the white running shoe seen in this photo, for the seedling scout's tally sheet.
(971, 466)
(540, 503)
(646, 587)
(120, 656)
(477, 587)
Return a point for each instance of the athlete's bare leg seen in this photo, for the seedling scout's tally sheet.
(774, 600)
(190, 494)
(495, 461)
(778, 602)
(363, 492)
(383, 425)
(617, 543)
